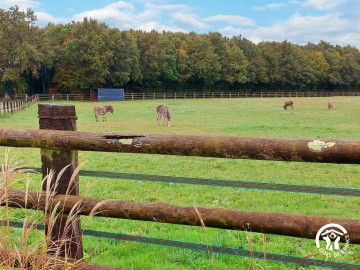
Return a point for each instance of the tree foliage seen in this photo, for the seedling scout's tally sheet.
(75, 57)
(19, 49)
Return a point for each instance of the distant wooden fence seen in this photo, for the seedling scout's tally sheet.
(192, 95)
(16, 105)
(59, 142)
(66, 97)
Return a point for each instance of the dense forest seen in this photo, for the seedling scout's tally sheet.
(75, 57)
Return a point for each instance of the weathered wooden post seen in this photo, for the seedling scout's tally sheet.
(11, 107)
(61, 117)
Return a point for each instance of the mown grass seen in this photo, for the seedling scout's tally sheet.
(242, 117)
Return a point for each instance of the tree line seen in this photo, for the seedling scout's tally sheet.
(78, 56)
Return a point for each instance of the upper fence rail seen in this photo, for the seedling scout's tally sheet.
(300, 150)
(192, 95)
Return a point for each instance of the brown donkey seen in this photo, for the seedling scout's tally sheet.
(102, 111)
(288, 104)
(163, 112)
(330, 105)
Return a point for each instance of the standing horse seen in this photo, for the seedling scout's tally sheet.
(288, 104)
(102, 111)
(163, 112)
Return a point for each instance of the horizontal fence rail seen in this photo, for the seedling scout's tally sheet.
(305, 150)
(355, 192)
(192, 95)
(304, 261)
(303, 226)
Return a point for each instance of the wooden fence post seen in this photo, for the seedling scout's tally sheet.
(61, 117)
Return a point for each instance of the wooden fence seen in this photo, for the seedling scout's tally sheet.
(67, 97)
(59, 142)
(192, 95)
(14, 106)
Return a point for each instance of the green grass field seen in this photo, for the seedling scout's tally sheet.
(241, 117)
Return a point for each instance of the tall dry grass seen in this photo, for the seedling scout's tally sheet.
(21, 251)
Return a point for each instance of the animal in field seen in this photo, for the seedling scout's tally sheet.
(163, 112)
(287, 104)
(102, 111)
(330, 105)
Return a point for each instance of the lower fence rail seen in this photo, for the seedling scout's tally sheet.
(303, 261)
(303, 226)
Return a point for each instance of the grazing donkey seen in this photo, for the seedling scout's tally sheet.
(163, 112)
(288, 104)
(330, 105)
(103, 111)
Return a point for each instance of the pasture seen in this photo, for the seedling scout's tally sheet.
(241, 117)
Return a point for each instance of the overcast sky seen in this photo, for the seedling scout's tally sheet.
(297, 21)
